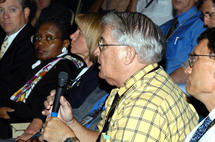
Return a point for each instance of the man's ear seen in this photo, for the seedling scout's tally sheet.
(26, 13)
(130, 55)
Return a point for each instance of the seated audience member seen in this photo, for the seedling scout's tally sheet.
(16, 53)
(145, 106)
(108, 5)
(50, 42)
(201, 84)
(87, 88)
(51, 9)
(208, 10)
(154, 9)
(181, 35)
(85, 92)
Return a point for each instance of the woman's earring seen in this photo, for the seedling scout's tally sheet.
(64, 49)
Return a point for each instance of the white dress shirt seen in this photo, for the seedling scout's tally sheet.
(209, 136)
(159, 11)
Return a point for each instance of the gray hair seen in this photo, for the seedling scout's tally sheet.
(138, 31)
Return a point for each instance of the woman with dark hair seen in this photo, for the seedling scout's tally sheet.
(51, 42)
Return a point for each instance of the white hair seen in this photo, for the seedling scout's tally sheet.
(138, 31)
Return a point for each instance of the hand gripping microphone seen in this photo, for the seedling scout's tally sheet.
(62, 82)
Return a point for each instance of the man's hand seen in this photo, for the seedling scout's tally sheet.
(30, 140)
(65, 111)
(4, 112)
(56, 130)
(32, 129)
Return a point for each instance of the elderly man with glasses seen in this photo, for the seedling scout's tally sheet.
(146, 105)
(201, 84)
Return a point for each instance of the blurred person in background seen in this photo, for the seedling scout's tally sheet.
(208, 10)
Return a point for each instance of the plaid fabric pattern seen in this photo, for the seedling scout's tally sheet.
(152, 108)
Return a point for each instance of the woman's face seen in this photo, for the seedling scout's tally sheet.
(78, 45)
(43, 3)
(47, 41)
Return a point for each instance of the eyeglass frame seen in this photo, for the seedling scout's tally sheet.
(101, 46)
(208, 15)
(191, 61)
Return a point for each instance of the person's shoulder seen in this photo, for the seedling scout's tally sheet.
(2, 35)
(166, 25)
(159, 85)
(24, 37)
(77, 61)
(70, 64)
(27, 31)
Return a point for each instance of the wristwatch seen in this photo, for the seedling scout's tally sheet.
(71, 139)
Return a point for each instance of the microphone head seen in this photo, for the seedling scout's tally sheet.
(62, 79)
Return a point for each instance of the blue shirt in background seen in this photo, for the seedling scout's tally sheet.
(181, 42)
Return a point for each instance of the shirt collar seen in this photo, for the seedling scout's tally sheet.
(212, 114)
(189, 13)
(38, 62)
(134, 78)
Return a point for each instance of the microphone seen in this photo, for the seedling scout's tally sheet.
(62, 82)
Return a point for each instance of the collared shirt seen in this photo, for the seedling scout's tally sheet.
(209, 135)
(151, 108)
(12, 37)
(155, 11)
(181, 42)
(38, 62)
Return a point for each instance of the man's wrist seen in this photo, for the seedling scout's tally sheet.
(71, 123)
(32, 132)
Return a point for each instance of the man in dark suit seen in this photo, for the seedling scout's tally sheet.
(16, 54)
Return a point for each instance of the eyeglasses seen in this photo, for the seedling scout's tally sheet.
(208, 15)
(102, 46)
(48, 38)
(192, 58)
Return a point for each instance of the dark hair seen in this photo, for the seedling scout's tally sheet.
(201, 2)
(63, 25)
(1, 1)
(25, 3)
(208, 34)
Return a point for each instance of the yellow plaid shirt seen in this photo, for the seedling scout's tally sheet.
(151, 108)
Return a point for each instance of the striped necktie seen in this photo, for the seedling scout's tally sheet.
(3, 47)
(201, 130)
